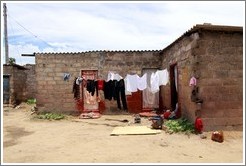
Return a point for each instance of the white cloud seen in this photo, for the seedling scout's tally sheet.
(69, 27)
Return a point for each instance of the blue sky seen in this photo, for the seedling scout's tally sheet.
(85, 26)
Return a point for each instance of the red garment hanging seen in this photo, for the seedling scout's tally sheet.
(100, 84)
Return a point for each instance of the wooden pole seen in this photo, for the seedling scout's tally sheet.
(6, 34)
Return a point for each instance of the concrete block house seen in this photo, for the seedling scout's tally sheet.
(18, 83)
(212, 55)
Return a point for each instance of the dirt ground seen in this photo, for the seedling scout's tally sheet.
(74, 140)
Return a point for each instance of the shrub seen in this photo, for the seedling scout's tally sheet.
(179, 125)
(31, 101)
(50, 116)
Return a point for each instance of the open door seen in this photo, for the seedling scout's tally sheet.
(90, 101)
(174, 88)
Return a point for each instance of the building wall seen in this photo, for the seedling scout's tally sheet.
(17, 84)
(31, 89)
(55, 94)
(214, 57)
(216, 60)
(221, 79)
(181, 54)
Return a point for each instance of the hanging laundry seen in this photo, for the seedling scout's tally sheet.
(79, 80)
(126, 92)
(154, 82)
(114, 76)
(106, 90)
(150, 100)
(66, 76)
(142, 82)
(92, 87)
(110, 76)
(120, 94)
(109, 89)
(100, 84)
(163, 77)
(132, 82)
(76, 89)
(192, 81)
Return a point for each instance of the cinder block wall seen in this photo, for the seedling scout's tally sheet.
(221, 79)
(181, 54)
(30, 81)
(17, 84)
(216, 60)
(55, 94)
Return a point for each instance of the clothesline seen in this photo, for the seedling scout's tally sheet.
(134, 82)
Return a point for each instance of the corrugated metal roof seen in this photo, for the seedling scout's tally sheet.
(96, 51)
(207, 27)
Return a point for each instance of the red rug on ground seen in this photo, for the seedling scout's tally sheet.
(147, 114)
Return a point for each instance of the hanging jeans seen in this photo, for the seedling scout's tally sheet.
(120, 94)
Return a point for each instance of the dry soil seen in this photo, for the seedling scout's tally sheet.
(74, 140)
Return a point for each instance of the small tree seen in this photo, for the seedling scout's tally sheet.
(12, 61)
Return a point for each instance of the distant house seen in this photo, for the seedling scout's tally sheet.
(211, 55)
(18, 83)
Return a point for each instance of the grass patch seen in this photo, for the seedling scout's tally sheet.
(50, 116)
(31, 101)
(180, 125)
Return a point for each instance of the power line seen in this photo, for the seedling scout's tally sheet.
(12, 29)
(29, 31)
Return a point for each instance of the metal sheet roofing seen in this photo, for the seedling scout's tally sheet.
(96, 51)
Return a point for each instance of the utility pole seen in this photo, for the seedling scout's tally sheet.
(6, 34)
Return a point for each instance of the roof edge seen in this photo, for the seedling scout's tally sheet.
(16, 65)
(206, 27)
(96, 51)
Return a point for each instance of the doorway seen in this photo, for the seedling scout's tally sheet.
(90, 101)
(6, 89)
(174, 85)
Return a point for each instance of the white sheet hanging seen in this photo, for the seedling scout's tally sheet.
(126, 92)
(163, 77)
(154, 82)
(132, 83)
(142, 82)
